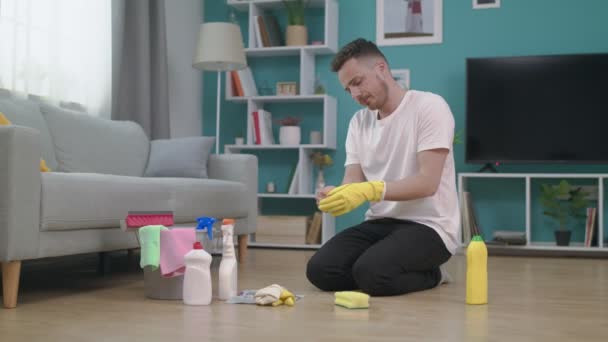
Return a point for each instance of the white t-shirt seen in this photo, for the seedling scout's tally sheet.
(386, 150)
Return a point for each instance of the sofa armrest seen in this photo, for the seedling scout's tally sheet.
(241, 168)
(19, 192)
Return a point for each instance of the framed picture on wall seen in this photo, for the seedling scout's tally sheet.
(408, 22)
(402, 77)
(482, 4)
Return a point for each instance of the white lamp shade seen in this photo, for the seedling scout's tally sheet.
(220, 48)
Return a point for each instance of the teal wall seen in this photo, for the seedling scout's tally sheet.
(517, 28)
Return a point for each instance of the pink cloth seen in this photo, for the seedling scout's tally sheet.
(174, 244)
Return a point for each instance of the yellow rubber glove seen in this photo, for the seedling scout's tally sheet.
(347, 197)
(286, 298)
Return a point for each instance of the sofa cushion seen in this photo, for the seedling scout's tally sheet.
(85, 143)
(89, 200)
(179, 157)
(27, 113)
(5, 122)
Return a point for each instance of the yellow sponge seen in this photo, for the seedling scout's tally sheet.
(352, 299)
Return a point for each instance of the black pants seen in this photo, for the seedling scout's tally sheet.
(381, 257)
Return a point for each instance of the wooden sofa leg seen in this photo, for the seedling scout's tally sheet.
(243, 247)
(11, 271)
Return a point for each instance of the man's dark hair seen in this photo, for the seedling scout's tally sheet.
(355, 49)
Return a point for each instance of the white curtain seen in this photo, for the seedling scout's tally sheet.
(59, 50)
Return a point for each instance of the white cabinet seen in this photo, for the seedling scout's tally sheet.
(531, 207)
(305, 173)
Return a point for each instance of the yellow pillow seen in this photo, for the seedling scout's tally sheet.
(4, 122)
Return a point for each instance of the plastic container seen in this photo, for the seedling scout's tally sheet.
(228, 276)
(477, 272)
(197, 278)
(157, 287)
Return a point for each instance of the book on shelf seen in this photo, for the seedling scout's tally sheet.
(236, 86)
(242, 83)
(591, 227)
(247, 81)
(313, 232)
(262, 127)
(274, 31)
(468, 219)
(251, 133)
(257, 32)
(508, 237)
(267, 31)
(292, 175)
(294, 183)
(464, 219)
(263, 33)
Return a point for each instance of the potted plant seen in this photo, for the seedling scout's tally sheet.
(296, 33)
(457, 138)
(564, 204)
(320, 160)
(290, 133)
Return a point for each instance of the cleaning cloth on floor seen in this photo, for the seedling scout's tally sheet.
(352, 299)
(274, 295)
(149, 237)
(245, 297)
(248, 297)
(174, 245)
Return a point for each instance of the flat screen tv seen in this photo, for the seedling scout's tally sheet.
(537, 109)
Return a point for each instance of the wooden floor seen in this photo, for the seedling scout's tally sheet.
(531, 299)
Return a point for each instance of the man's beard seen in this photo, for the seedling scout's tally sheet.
(381, 98)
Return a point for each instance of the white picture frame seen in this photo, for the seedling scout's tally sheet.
(484, 4)
(409, 22)
(402, 77)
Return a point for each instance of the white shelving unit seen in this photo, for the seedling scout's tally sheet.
(544, 246)
(306, 94)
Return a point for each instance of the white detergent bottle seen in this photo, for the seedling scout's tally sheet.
(228, 265)
(197, 278)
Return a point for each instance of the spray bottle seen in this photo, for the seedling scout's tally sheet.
(205, 224)
(228, 265)
(197, 278)
(477, 271)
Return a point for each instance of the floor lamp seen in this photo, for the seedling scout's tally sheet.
(219, 48)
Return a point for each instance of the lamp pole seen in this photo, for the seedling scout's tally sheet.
(217, 113)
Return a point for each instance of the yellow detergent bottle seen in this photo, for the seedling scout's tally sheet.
(477, 271)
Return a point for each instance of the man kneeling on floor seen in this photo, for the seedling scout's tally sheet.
(399, 158)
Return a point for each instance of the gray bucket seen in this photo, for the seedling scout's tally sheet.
(157, 287)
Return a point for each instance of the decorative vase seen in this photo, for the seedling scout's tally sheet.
(289, 135)
(320, 181)
(562, 237)
(296, 35)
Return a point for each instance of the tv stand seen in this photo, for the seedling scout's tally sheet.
(532, 214)
(489, 167)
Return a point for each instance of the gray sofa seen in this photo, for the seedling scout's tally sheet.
(97, 176)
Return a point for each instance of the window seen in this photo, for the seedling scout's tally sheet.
(59, 50)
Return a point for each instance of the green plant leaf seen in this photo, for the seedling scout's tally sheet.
(564, 203)
(295, 11)
(563, 189)
(457, 138)
(550, 213)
